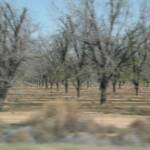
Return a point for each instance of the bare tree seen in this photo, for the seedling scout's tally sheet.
(108, 40)
(14, 41)
(139, 60)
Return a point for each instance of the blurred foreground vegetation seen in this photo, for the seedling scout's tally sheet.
(64, 122)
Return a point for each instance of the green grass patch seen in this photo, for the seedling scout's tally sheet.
(67, 147)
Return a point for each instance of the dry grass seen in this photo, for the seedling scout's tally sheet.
(58, 119)
(62, 111)
(138, 133)
(140, 125)
(62, 118)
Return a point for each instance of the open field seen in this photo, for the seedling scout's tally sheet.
(124, 101)
(122, 108)
(68, 147)
(29, 119)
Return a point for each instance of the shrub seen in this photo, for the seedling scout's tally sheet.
(66, 115)
(58, 119)
(140, 126)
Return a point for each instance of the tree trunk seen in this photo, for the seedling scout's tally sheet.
(46, 83)
(103, 88)
(3, 93)
(57, 86)
(119, 84)
(114, 86)
(136, 87)
(78, 87)
(147, 84)
(66, 86)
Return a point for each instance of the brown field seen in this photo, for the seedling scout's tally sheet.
(121, 109)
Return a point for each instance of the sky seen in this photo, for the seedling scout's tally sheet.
(45, 13)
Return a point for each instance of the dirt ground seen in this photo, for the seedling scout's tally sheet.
(15, 117)
(117, 120)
